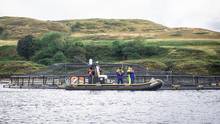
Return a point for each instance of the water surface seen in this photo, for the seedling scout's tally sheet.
(59, 106)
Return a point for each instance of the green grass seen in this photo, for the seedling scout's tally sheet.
(187, 56)
(8, 53)
(19, 67)
(189, 50)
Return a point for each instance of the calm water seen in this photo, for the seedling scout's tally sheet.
(60, 106)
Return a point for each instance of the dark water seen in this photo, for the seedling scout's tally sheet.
(59, 106)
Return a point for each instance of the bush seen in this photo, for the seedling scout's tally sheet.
(1, 30)
(153, 50)
(25, 47)
(117, 49)
(42, 54)
(98, 52)
(45, 61)
(59, 57)
(54, 40)
(76, 27)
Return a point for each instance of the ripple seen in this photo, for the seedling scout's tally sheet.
(67, 107)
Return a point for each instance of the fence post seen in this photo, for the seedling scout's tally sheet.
(53, 81)
(22, 83)
(29, 80)
(172, 79)
(32, 81)
(196, 80)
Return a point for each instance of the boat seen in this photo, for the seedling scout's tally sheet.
(153, 84)
(101, 82)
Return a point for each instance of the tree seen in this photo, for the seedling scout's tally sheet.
(25, 47)
(59, 57)
(52, 40)
(117, 49)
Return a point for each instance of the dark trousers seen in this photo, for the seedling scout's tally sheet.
(120, 80)
(91, 79)
(132, 81)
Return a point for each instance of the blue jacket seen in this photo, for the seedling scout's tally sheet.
(132, 75)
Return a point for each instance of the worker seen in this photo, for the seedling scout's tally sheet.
(91, 74)
(120, 74)
(131, 75)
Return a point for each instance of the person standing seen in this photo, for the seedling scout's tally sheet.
(131, 75)
(91, 74)
(120, 74)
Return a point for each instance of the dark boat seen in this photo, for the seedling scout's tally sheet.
(151, 85)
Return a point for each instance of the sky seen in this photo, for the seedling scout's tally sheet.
(171, 13)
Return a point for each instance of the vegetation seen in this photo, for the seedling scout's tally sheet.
(25, 47)
(97, 29)
(187, 50)
(19, 67)
(187, 56)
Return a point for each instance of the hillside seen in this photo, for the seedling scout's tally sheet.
(185, 50)
(17, 27)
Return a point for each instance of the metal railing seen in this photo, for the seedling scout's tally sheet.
(169, 80)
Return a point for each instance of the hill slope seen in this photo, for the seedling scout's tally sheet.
(17, 27)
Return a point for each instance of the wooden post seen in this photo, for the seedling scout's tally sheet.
(53, 80)
(210, 83)
(22, 79)
(29, 80)
(171, 79)
(18, 82)
(43, 80)
(196, 80)
(32, 81)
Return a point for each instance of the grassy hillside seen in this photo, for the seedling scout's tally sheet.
(187, 50)
(17, 27)
(19, 67)
(12, 63)
(192, 56)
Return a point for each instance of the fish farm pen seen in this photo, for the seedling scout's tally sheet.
(181, 82)
(57, 75)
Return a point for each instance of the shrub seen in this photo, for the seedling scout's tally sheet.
(59, 57)
(25, 47)
(76, 27)
(1, 30)
(117, 49)
(153, 50)
(42, 54)
(54, 40)
(98, 52)
(45, 61)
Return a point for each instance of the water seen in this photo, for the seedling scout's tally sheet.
(67, 107)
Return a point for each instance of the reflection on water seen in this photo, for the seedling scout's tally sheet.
(60, 106)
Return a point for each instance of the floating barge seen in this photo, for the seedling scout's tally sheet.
(155, 85)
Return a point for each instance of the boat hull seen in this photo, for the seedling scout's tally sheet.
(141, 86)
